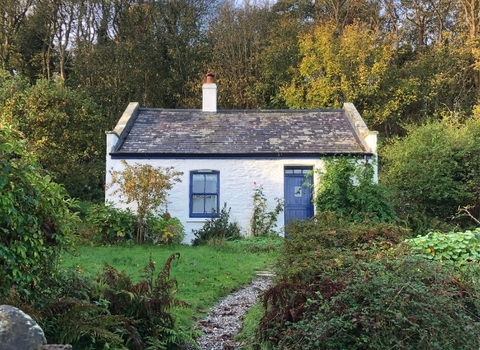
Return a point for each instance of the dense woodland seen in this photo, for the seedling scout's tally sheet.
(396, 60)
(71, 66)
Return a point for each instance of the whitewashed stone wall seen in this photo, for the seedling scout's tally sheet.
(237, 178)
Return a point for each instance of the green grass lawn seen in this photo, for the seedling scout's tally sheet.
(204, 274)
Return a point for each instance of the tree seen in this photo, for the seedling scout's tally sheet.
(35, 220)
(13, 14)
(146, 186)
(65, 128)
(279, 52)
(353, 66)
(237, 36)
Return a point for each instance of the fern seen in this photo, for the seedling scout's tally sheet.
(147, 304)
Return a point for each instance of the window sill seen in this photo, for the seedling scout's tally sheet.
(197, 220)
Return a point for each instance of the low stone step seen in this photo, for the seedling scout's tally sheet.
(265, 273)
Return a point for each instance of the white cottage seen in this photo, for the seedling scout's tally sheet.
(224, 154)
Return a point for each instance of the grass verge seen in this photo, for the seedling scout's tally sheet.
(204, 274)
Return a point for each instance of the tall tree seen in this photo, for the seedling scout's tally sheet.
(354, 66)
(13, 14)
(237, 37)
(66, 130)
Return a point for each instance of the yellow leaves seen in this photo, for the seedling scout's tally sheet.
(145, 185)
(337, 67)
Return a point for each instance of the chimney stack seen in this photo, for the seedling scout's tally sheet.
(209, 94)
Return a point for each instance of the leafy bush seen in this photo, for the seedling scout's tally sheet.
(263, 221)
(64, 127)
(410, 303)
(217, 229)
(344, 285)
(454, 246)
(347, 188)
(111, 225)
(434, 170)
(165, 229)
(321, 243)
(36, 221)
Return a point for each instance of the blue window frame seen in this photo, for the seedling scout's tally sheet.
(204, 193)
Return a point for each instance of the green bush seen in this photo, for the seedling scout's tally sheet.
(111, 225)
(65, 128)
(452, 246)
(433, 171)
(164, 229)
(408, 303)
(347, 188)
(217, 229)
(36, 221)
(327, 241)
(343, 285)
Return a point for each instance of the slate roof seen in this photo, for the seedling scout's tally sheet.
(280, 132)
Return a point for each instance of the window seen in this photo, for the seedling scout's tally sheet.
(204, 193)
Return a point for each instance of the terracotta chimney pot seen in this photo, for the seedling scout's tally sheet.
(210, 77)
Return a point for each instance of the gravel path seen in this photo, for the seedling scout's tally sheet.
(225, 319)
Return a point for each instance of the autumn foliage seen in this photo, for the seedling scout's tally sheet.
(146, 186)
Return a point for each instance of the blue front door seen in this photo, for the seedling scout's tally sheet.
(298, 194)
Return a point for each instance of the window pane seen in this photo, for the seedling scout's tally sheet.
(211, 183)
(198, 183)
(198, 205)
(306, 171)
(297, 171)
(211, 204)
(288, 171)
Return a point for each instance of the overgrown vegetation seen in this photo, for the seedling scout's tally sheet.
(64, 127)
(107, 224)
(35, 216)
(111, 312)
(217, 229)
(346, 285)
(458, 247)
(433, 171)
(164, 229)
(263, 221)
(347, 188)
(146, 186)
